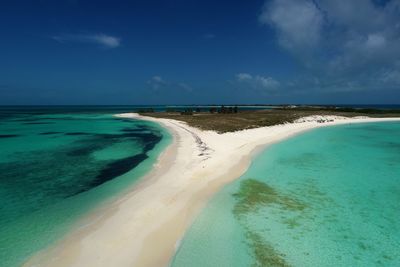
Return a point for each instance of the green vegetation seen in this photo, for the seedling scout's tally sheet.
(264, 253)
(230, 119)
(254, 194)
(251, 196)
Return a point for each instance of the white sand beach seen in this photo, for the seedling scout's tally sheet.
(144, 226)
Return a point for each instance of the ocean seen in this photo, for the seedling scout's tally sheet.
(59, 163)
(327, 197)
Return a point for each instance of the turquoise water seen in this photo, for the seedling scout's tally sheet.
(56, 165)
(328, 197)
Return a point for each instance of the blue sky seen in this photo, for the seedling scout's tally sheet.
(198, 52)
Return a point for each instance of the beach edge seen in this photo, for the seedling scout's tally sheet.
(162, 207)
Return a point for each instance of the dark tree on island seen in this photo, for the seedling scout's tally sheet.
(212, 110)
(188, 111)
(222, 110)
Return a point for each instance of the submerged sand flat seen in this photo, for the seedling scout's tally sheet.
(143, 227)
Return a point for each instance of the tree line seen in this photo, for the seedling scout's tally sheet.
(189, 111)
(212, 110)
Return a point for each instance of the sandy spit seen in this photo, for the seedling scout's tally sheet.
(144, 226)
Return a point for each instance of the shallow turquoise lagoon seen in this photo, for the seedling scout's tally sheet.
(56, 165)
(328, 197)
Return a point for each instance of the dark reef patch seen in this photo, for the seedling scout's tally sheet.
(145, 136)
(77, 133)
(85, 148)
(253, 195)
(118, 167)
(123, 119)
(99, 141)
(79, 171)
(28, 123)
(113, 170)
(8, 135)
(134, 130)
(27, 120)
(250, 198)
(49, 133)
(264, 253)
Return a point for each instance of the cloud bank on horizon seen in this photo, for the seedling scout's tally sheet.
(341, 46)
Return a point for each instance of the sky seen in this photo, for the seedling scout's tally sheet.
(199, 52)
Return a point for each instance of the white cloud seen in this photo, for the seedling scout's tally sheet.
(185, 87)
(298, 22)
(243, 76)
(258, 82)
(104, 40)
(361, 15)
(157, 82)
(158, 79)
(353, 43)
(375, 41)
(267, 82)
(391, 77)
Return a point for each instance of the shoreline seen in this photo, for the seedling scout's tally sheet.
(144, 226)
